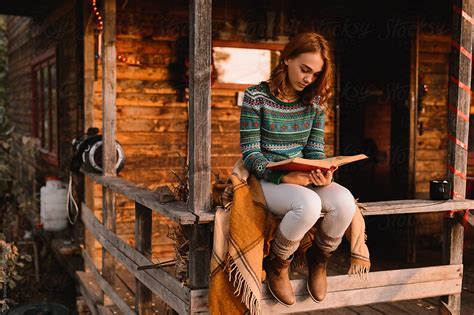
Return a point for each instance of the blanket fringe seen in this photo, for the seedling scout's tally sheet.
(241, 287)
(359, 268)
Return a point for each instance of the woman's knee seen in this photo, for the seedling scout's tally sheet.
(344, 204)
(309, 208)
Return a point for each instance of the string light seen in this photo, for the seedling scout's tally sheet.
(100, 24)
(128, 61)
(100, 27)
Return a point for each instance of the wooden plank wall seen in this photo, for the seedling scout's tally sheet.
(152, 119)
(431, 146)
(29, 38)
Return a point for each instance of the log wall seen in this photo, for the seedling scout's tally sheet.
(152, 121)
(29, 38)
(431, 145)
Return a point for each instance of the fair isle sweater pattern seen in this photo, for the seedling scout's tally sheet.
(272, 131)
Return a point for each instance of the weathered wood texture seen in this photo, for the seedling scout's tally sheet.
(415, 206)
(143, 222)
(381, 286)
(199, 140)
(158, 281)
(431, 138)
(431, 146)
(105, 286)
(460, 69)
(108, 129)
(89, 289)
(176, 211)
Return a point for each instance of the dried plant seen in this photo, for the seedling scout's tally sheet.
(181, 248)
(11, 264)
(181, 190)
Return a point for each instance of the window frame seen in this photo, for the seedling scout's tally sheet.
(50, 151)
(236, 44)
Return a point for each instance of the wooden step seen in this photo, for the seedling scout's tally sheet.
(90, 290)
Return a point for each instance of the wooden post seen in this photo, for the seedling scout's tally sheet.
(108, 128)
(89, 62)
(412, 218)
(199, 138)
(143, 228)
(458, 130)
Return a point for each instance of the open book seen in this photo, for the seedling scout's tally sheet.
(301, 164)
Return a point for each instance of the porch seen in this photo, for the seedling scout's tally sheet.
(195, 217)
(130, 280)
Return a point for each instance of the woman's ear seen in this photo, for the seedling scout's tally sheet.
(285, 61)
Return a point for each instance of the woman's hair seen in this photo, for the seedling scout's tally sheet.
(322, 86)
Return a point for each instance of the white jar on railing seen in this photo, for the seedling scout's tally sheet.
(53, 205)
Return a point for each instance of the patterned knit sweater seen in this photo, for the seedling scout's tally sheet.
(272, 130)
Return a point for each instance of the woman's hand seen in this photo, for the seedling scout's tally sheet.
(296, 177)
(319, 179)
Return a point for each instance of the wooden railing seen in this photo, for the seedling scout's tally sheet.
(382, 286)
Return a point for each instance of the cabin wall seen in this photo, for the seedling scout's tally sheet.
(28, 38)
(152, 119)
(431, 141)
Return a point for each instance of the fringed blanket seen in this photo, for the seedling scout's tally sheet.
(242, 234)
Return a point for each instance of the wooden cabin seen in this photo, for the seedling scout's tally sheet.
(130, 68)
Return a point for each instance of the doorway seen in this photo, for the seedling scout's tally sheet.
(374, 113)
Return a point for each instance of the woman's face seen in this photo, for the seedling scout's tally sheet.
(304, 69)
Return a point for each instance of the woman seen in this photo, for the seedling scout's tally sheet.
(281, 119)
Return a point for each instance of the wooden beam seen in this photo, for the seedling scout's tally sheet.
(89, 77)
(381, 286)
(108, 127)
(200, 106)
(90, 290)
(200, 38)
(177, 211)
(89, 65)
(143, 227)
(367, 296)
(165, 286)
(414, 206)
(458, 129)
(106, 286)
(414, 63)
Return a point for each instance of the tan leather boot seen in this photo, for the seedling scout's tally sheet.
(278, 280)
(317, 278)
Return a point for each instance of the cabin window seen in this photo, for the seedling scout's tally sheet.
(45, 105)
(240, 65)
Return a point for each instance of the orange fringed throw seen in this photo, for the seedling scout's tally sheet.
(242, 236)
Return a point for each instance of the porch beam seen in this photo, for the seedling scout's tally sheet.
(345, 290)
(200, 39)
(108, 128)
(458, 131)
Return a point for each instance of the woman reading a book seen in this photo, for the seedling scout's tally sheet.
(281, 119)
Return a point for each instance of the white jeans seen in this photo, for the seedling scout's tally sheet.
(301, 207)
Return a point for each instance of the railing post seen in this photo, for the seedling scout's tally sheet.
(143, 243)
(458, 131)
(108, 129)
(200, 138)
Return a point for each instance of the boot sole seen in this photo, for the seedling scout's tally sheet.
(309, 292)
(282, 303)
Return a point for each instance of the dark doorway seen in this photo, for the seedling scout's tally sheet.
(374, 78)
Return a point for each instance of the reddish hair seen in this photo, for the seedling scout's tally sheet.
(322, 86)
